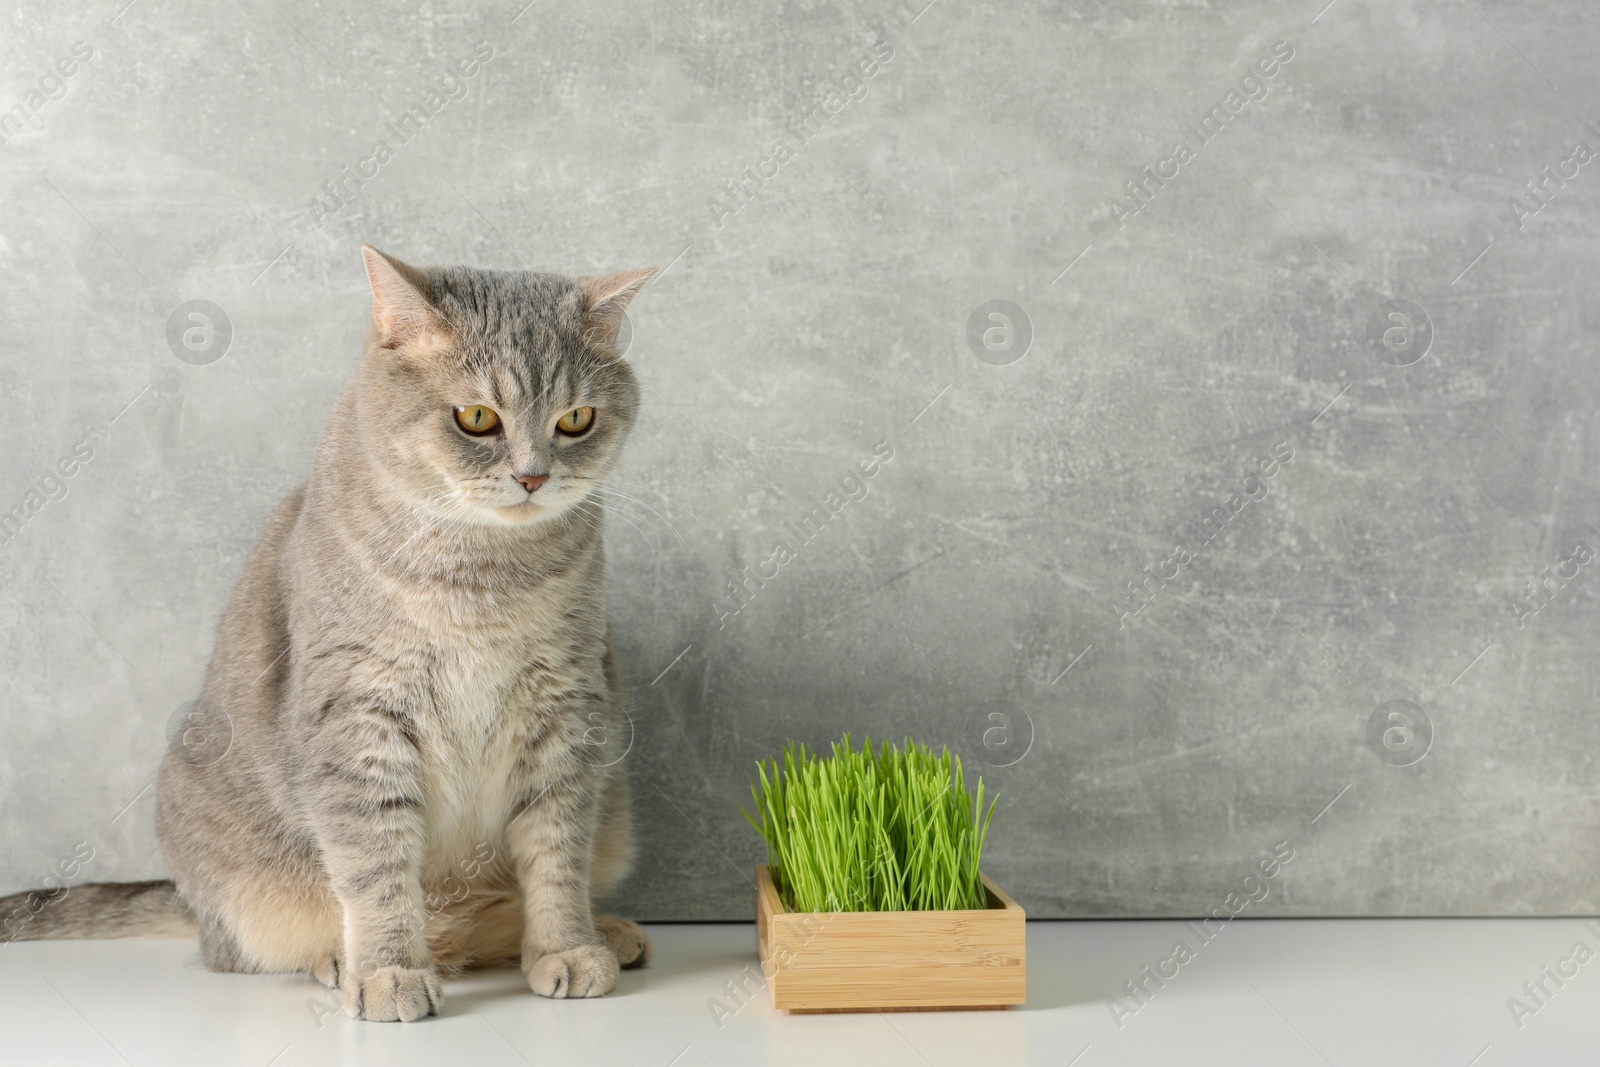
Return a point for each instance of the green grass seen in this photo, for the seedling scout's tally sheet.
(863, 830)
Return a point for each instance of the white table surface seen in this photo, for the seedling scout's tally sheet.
(1313, 992)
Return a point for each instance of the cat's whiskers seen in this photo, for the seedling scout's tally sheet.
(617, 497)
(612, 496)
(446, 535)
(394, 522)
(608, 509)
(577, 512)
(422, 513)
(614, 482)
(438, 525)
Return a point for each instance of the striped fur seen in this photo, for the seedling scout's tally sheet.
(411, 674)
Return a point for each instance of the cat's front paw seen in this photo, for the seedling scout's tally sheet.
(390, 994)
(625, 938)
(328, 971)
(586, 971)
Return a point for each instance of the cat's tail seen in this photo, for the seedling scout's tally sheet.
(96, 910)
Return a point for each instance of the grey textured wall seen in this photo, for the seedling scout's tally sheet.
(1164, 347)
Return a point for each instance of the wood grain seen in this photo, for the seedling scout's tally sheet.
(892, 961)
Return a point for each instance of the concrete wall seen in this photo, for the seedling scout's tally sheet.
(1158, 353)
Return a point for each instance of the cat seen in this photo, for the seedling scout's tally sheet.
(411, 671)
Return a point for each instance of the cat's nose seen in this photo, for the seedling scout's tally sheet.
(530, 482)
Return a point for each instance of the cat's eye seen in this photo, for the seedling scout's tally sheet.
(477, 419)
(575, 421)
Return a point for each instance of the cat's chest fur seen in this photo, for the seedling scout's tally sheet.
(468, 744)
(487, 692)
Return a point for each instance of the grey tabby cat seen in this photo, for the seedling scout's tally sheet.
(412, 668)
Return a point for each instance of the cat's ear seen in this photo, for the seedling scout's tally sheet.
(401, 313)
(606, 298)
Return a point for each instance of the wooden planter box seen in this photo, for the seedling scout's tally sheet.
(892, 960)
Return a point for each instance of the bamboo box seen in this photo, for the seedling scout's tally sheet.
(892, 960)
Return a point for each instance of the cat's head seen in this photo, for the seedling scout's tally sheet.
(494, 396)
